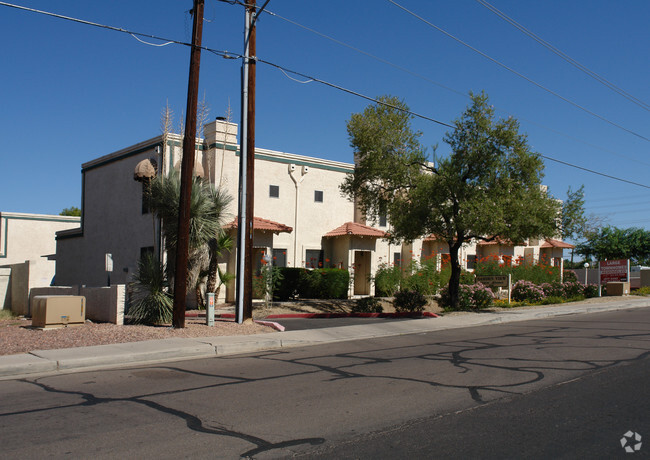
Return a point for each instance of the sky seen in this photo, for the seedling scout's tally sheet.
(70, 93)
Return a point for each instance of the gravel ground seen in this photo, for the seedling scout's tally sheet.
(17, 335)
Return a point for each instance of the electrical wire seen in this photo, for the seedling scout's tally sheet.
(284, 70)
(427, 79)
(594, 172)
(349, 91)
(509, 69)
(224, 54)
(564, 56)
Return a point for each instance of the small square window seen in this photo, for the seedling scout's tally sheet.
(318, 196)
(382, 221)
(274, 191)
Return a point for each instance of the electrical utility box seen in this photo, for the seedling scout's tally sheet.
(52, 311)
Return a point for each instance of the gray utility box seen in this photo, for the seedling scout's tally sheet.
(50, 311)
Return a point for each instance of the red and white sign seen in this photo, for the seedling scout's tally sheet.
(614, 270)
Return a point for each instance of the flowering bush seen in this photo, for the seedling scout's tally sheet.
(527, 291)
(474, 296)
(573, 289)
(554, 289)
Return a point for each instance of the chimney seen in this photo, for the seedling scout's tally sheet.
(220, 131)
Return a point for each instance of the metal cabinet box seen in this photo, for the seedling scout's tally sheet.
(618, 288)
(50, 311)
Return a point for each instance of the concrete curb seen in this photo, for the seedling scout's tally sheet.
(47, 362)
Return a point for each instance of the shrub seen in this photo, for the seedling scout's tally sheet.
(554, 289)
(474, 296)
(387, 280)
(591, 290)
(288, 287)
(569, 275)
(527, 291)
(149, 302)
(643, 291)
(367, 305)
(553, 300)
(323, 283)
(409, 301)
(573, 289)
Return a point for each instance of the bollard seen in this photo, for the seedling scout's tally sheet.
(209, 314)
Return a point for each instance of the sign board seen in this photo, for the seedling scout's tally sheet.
(614, 270)
(109, 262)
(493, 280)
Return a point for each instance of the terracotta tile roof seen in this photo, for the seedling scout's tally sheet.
(352, 228)
(551, 243)
(264, 225)
(500, 241)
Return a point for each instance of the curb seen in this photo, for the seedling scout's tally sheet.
(424, 314)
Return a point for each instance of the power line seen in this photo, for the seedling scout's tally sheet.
(564, 56)
(224, 54)
(227, 55)
(509, 69)
(593, 172)
(425, 78)
(349, 91)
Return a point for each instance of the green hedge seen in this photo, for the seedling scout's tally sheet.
(322, 283)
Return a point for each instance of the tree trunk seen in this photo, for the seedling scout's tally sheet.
(454, 280)
(211, 283)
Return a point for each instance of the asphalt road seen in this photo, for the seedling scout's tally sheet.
(566, 387)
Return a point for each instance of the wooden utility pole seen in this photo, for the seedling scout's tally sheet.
(187, 170)
(244, 311)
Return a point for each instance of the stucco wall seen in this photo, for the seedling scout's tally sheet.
(113, 221)
(30, 236)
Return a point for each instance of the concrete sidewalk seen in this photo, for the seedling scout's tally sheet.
(156, 351)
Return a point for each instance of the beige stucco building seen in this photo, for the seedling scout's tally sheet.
(27, 248)
(301, 217)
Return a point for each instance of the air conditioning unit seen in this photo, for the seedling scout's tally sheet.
(52, 311)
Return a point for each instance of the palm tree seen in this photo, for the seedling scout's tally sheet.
(207, 216)
(217, 246)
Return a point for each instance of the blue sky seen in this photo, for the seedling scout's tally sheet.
(71, 93)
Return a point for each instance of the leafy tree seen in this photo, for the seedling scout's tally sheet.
(71, 211)
(489, 186)
(617, 243)
(574, 221)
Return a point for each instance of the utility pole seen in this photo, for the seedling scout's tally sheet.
(247, 174)
(187, 170)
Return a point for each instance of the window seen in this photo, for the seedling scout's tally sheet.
(397, 259)
(471, 261)
(383, 221)
(313, 258)
(279, 257)
(274, 191)
(318, 196)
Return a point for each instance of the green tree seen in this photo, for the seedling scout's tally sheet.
(574, 221)
(617, 243)
(489, 185)
(71, 211)
(207, 213)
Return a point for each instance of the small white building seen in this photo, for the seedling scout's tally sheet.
(301, 217)
(27, 249)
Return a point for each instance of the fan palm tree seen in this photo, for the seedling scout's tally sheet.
(207, 216)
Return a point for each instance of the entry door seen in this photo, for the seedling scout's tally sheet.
(361, 272)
